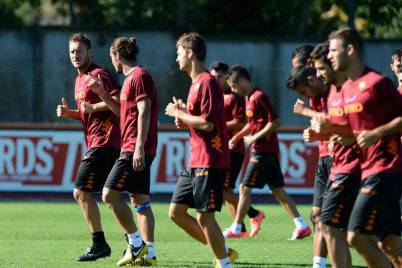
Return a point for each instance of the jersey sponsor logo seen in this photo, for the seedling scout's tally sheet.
(335, 112)
(79, 95)
(217, 143)
(353, 108)
(123, 96)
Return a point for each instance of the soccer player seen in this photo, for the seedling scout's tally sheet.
(264, 167)
(235, 120)
(131, 172)
(201, 187)
(370, 100)
(102, 136)
(301, 56)
(396, 63)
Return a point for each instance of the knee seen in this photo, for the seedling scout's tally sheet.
(108, 199)
(315, 217)
(276, 191)
(80, 196)
(353, 239)
(175, 214)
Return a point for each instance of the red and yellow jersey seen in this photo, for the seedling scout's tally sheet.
(235, 109)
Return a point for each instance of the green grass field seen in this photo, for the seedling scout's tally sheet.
(52, 235)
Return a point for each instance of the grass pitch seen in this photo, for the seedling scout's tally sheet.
(45, 234)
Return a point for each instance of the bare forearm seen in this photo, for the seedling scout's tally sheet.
(108, 103)
(234, 125)
(391, 128)
(144, 117)
(74, 115)
(196, 122)
(243, 132)
(341, 130)
(310, 113)
(267, 130)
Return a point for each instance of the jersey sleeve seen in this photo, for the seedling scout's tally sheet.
(111, 85)
(143, 87)
(389, 97)
(266, 105)
(238, 111)
(209, 91)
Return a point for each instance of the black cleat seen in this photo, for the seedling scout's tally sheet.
(95, 252)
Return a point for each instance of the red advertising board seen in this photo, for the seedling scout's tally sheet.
(47, 160)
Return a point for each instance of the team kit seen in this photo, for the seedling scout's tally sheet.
(356, 117)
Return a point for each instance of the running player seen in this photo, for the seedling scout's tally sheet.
(370, 100)
(301, 56)
(102, 137)
(264, 167)
(396, 63)
(131, 172)
(235, 120)
(201, 187)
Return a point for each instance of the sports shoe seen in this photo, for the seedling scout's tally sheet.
(300, 233)
(95, 252)
(228, 234)
(256, 223)
(144, 261)
(233, 256)
(133, 253)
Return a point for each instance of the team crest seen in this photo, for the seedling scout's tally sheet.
(190, 106)
(362, 85)
(249, 113)
(123, 96)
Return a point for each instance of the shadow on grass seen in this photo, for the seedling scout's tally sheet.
(244, 265)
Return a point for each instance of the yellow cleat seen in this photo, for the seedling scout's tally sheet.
(131, 254)
(144, 261)
(233, 256)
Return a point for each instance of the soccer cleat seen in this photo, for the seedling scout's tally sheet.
(300, 233)
(256, 223)
(131, 254)
(95, 252)
(144, 261)
(233, 256)
(228, 234)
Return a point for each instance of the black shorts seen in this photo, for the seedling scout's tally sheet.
(321, 179)
(236, 162)
(338, 201)
(123, 177)
(264, 168)
(200, 188)
(94, 169)
(376, 210)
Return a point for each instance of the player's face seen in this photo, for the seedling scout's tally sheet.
(324, 71)
(306, 91)
(220, 76)
(296, 63)
(183, 59)
(116, 64)
(80, 55)
(236, 87)
(396, 66)
(399, 75)
(338, 55)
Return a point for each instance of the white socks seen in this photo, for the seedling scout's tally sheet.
(135, 239)
(235, 228)
(225, 263)
(151, 250)
(319, 262)
(300, 223)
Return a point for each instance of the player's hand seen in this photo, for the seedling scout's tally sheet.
(95, 84)
(179, 104)
(249, 140)
(299, 107)
(342, 140)
(139, 158)
(366, 138)
(171, 110)
(63, 110)
(309, 135)
(179, 124)
(86, 107)
(233, 143)
(320, 124)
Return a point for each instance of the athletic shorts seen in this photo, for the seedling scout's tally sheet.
(376, 210)
(94, 169)
(236, 162)
(338, 201)
(321, 179)
(200, 188)
(123, 177)
(263, 168)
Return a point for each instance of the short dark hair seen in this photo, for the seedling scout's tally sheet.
(349, 36)
(237, 72)
(320, 52)
(396, 55)
(195, 42)
(219, 66)
(302, 53)
(298, 76)
(82, 38)
(127, 47)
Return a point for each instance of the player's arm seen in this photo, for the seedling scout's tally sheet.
(322, 125)
(238, 136)
(367, 138)
(64, 111)
(193, 121)
(301, 109)
(269, 128)
(309, 135)
(234, 124)
(112, 103)
(144, 117)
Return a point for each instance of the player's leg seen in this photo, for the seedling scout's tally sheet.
(91, 177)
(182, 200)
(120, 180)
